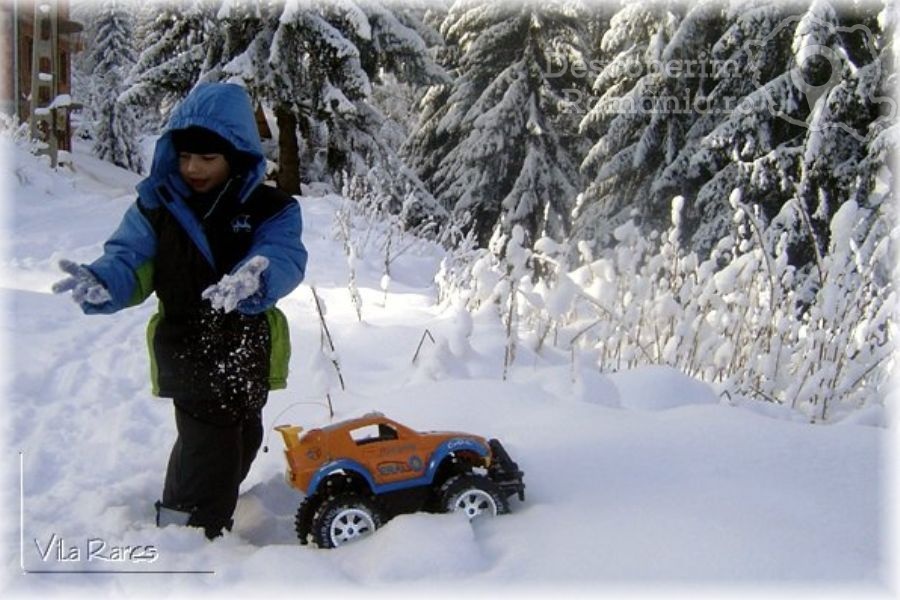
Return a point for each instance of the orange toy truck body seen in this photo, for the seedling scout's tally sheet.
(359, 473)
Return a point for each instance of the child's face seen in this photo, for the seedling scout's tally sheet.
(203, 172)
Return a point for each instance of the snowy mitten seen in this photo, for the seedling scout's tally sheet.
(82, 283)
(238, 286)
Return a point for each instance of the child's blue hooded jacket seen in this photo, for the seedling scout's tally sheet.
(212, 363)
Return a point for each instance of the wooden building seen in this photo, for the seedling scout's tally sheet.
(39, 40)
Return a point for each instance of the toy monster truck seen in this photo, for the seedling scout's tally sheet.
(360, 473)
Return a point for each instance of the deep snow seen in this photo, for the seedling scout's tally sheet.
(643, 482)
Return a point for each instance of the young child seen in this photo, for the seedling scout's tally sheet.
(218, 248)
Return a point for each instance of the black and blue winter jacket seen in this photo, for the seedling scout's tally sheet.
(213, 364)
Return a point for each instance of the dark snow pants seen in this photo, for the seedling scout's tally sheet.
(206, 467)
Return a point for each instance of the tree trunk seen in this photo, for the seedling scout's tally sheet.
(288, 150)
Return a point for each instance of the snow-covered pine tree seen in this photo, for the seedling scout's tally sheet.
(428, 140)
(152, 22)
(396, 54)
(724, 69)
(836, 165)
(112, 55)
(764, 144)
(735, 127)
(876, 177)
(499, 146)
(272, 67)
(732, 308)
(230, 27)
(425, 18)
(398, 100)
(175, 44)
(769, 129)
(635, 126)
(314, 64)
(83, 69)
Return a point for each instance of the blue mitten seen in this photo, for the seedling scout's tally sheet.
(238, 286)
(82, 283)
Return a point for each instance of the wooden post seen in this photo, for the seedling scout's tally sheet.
(49, 112)
(45, 77)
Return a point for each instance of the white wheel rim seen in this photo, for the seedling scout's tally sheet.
(351, 524)
(475, 503)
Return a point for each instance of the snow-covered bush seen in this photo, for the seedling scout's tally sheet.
(372, 228)
(741, 319)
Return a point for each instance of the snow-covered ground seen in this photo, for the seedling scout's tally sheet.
(638, 483)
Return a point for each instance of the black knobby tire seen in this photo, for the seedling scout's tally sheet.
(475, 495)
(343, 518)
(303, 520)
